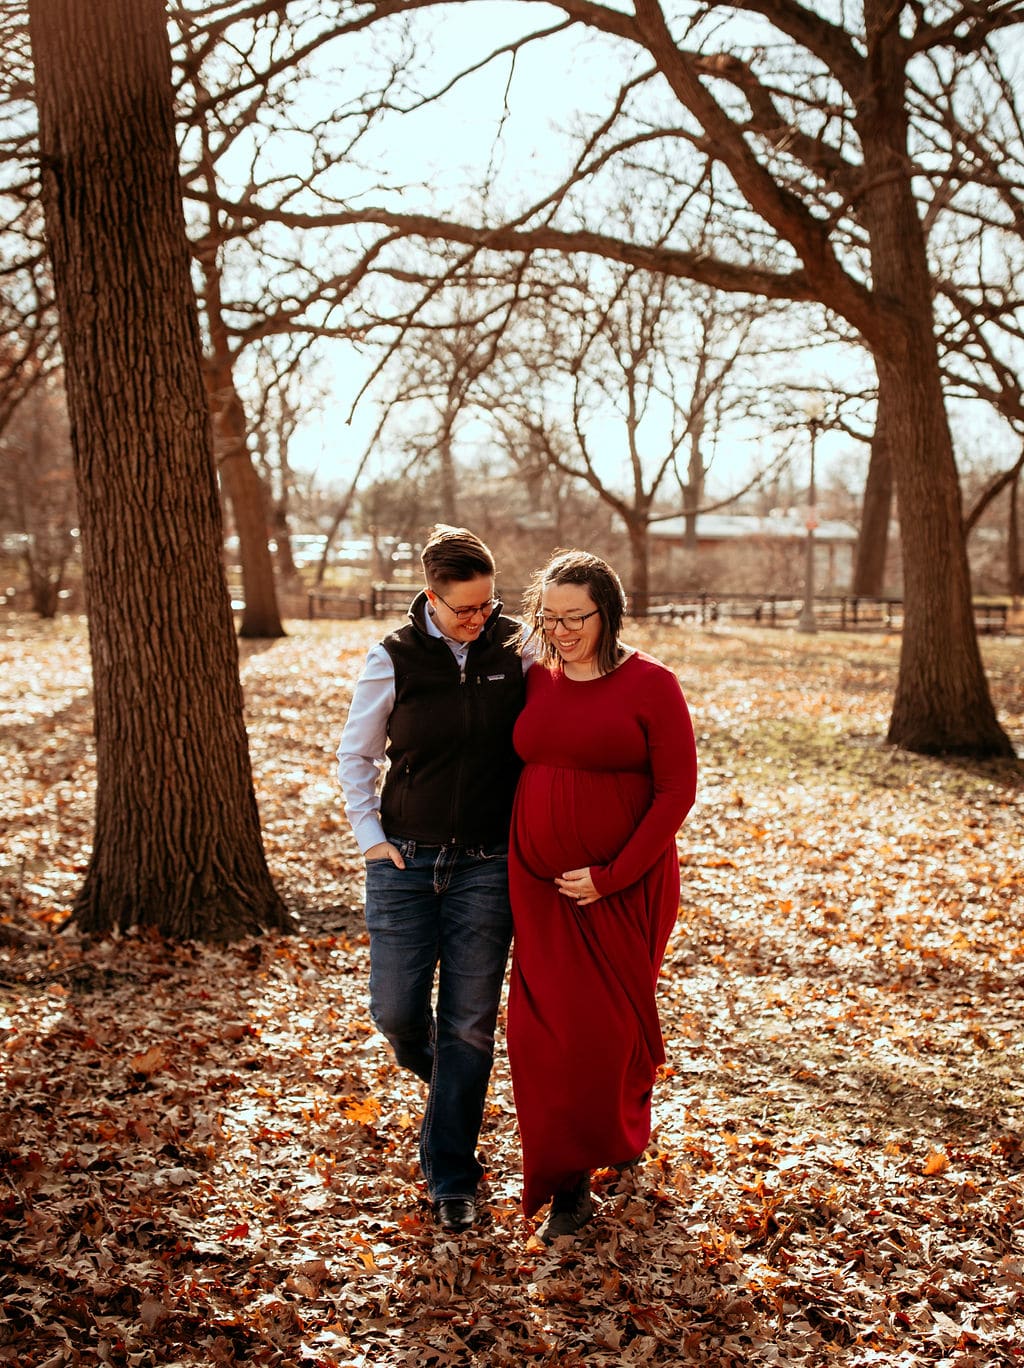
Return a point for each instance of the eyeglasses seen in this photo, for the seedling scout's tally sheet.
(572, 622)
(464, 614)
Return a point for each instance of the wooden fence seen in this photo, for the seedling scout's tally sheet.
(832, 612)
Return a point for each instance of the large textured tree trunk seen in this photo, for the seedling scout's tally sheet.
(177, 842)
(942, 702)
(876, 511)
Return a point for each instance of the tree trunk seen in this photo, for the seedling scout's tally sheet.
(1014, 567)
(447, 484)
(280, 509)
(44, 590)
(638, 565)
(942, 703)
(694, 492)
(242, 484)
(177, 842)
(283, 557)
(876, 512)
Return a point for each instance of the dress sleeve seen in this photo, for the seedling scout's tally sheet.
(672, 754)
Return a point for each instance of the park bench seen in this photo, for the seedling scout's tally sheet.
(992, 618)
(329, 603)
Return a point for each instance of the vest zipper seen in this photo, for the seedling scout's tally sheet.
(456, 807)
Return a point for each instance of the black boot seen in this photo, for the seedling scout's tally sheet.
(571, 1209)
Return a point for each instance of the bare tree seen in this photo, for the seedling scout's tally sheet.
(35, 463)
(238, 67)
(803, 125)
(438, 363)
(177, 843)
(442, 375)
(819, 164)
(621, 379)
(281, 392)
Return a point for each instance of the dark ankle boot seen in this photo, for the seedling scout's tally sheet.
(571, 1209)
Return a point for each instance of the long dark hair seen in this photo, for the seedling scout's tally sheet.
(604, 587)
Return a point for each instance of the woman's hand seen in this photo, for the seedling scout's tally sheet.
(578, 885)
(384, 850)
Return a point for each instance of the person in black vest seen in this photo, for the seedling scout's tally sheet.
(434, 709)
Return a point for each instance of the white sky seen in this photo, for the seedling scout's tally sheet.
(448, 146)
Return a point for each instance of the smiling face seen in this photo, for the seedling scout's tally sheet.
(477, 593)
(576, 645)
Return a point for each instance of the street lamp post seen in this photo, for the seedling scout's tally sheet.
(807, 621)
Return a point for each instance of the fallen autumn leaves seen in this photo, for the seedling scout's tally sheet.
(208, 1158)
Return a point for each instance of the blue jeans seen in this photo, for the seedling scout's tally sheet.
(448, 908)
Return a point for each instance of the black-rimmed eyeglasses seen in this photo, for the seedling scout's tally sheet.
(572, 622)
(464, 614)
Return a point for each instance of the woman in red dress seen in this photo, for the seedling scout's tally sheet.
(609, 775)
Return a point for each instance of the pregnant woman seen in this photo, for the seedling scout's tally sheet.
(609, 775)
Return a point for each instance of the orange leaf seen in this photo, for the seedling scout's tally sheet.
(936, 1163)
(365, 1111)
(148, 1062)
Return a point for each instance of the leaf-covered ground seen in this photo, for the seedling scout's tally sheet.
(206, 1156)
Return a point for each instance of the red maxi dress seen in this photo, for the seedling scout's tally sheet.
(609, 774)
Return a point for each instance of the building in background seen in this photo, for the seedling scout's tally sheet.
(747, 552)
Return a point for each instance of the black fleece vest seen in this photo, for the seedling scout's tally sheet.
(453, 768)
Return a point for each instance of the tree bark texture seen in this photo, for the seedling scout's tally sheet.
(177, 841)
(942, 703)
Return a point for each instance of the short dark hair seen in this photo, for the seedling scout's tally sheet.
(604, 587)
(454, 554)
